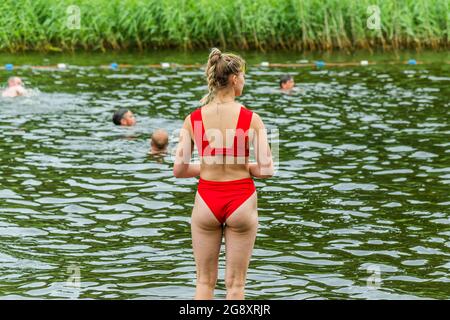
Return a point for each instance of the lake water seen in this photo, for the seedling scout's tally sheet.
(358, 208)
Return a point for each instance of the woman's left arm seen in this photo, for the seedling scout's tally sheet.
(182, 168)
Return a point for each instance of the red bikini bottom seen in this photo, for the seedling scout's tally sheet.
(224, 197)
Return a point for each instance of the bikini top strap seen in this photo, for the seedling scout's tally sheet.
(241, 140)
(198, 130)
(245, 119)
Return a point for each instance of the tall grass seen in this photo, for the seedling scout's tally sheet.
(245, 24)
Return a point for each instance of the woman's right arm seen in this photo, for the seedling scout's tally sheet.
(182, 167)
(263, 168)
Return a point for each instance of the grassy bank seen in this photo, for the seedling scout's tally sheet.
(247, 24)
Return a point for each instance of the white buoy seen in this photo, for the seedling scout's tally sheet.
(61, 66)
(364, 62)
(165, 65)
(303, 61)
(264, 64)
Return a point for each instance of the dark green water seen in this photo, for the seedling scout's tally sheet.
(358, 209)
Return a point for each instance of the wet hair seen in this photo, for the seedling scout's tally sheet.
(285, 78)
(118, 115)
(160, 144)
(219, 67)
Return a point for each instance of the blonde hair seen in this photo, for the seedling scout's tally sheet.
(219, 67)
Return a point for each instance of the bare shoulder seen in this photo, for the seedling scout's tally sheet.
(187, 123)
(256, 122)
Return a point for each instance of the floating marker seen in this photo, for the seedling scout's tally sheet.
(114, 65)
(9, 66)
(264, 64)
(303, 61)
(61, 65)
(412, 61)
(320, 64)
(165, 65)
(364, 62)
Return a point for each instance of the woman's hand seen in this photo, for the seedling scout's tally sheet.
(192, 170)
(255, 170)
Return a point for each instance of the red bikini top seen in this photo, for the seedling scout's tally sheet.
(240, 146)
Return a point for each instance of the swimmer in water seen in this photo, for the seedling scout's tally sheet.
(15, 88)
(124, 117)
(287, 83)
(159, 142)
(226, 199)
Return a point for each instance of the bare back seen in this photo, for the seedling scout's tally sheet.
(220, 122)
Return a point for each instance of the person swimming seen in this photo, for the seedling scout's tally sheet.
(159, 141)
(287, 82)
(15, 88)
(124, 117)
(226, 199)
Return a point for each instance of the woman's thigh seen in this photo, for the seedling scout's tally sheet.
(206, 237)
(240, 233)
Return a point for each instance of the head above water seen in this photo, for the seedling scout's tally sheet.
(14, 81)
(159, 140)
(124, 117)
(286, 82)
(224, 71)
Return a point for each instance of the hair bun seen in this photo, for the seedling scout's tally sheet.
(215, 55)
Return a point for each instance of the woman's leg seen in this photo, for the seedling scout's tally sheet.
(240, 234)
(206, 241)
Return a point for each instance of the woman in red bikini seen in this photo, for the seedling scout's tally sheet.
(226, 201)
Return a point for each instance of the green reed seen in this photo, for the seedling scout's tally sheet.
(245, 24)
